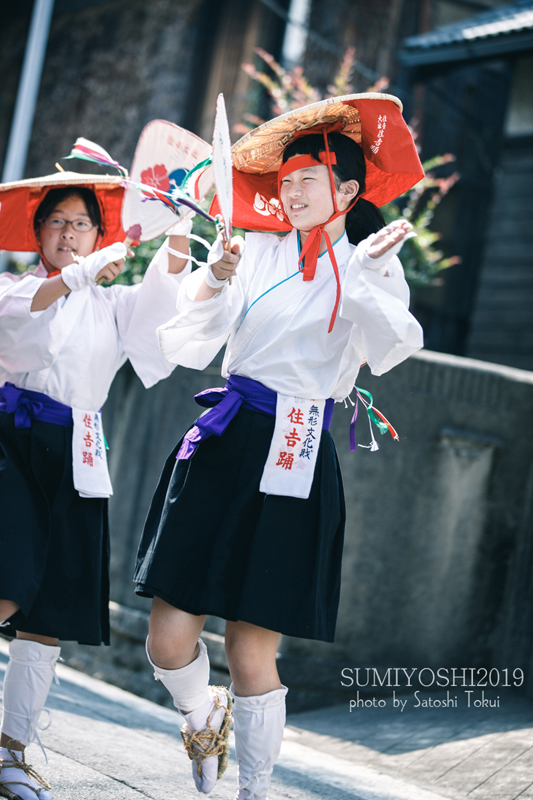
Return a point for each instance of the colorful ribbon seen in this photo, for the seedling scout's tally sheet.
(90, 151)
(374, 416)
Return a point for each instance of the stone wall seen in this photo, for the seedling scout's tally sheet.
(109, 69)
(439, 540)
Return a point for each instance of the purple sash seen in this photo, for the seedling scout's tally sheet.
(225, 403)
(27, 405)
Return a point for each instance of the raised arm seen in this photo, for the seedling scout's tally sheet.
(375, 297)
(103, 265)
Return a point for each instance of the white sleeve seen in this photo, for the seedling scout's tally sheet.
(141, 309)
(29, 340)
(201, 328)
(375, 296)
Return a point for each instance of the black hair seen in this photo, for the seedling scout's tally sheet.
(365, 217)
(56, 196)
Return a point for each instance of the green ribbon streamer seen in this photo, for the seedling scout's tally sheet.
(381, 426)
(201, 165)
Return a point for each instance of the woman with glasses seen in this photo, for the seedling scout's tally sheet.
(62, 340)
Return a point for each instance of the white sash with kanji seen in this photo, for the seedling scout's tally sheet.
(89, 462)
(290, 465)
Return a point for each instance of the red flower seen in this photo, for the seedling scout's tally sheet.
(157, 177)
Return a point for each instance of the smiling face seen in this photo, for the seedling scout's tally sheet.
(58, 246)
(306, 197)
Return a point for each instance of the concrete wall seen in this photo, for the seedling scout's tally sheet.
(433, 520)
(439, 524)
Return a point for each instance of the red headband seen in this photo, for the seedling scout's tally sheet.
(301, 162)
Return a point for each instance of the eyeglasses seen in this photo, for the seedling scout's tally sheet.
(58, 223)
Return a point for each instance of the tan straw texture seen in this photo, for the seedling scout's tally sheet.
(260, 150)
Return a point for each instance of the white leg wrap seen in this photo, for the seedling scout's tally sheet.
(188, 685)
(29, 675)
(258, 723)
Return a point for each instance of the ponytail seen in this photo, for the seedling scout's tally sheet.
(362, 220)
(365, 217)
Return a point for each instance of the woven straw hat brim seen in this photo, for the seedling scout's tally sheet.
(260, 150)
(64, 179)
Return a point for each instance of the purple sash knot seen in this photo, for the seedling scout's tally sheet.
(223, 405)
(26, 405)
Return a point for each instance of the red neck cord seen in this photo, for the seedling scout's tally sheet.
(311, 248)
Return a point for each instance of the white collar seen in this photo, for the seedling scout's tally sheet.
(342, 247)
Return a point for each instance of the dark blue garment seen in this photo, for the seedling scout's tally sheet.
(54, 543)
(214, 544)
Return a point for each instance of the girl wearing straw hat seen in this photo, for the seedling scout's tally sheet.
(62, 340)
(247, 522)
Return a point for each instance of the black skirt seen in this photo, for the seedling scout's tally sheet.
(54, 544)
(214, 544)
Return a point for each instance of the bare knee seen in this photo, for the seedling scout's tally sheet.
(173, 635)
(251, 655)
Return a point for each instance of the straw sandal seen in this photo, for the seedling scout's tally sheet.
(27, 770)
(208, 742)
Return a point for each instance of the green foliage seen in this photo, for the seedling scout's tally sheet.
(135, 267)
(421, 259)
(18, 265)
(420, 256)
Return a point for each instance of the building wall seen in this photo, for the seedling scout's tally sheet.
(501, 328)
(371, 28)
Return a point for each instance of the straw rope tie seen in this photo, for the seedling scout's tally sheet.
(208, 742)
(26, 769)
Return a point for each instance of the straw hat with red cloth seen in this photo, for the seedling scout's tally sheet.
(19, 200)
(373, 120)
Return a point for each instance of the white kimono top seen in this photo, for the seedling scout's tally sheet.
(72, 350)
(276, 324)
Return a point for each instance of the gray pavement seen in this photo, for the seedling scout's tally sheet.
(107, 743)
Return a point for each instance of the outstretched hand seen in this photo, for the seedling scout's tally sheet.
(388, 236)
